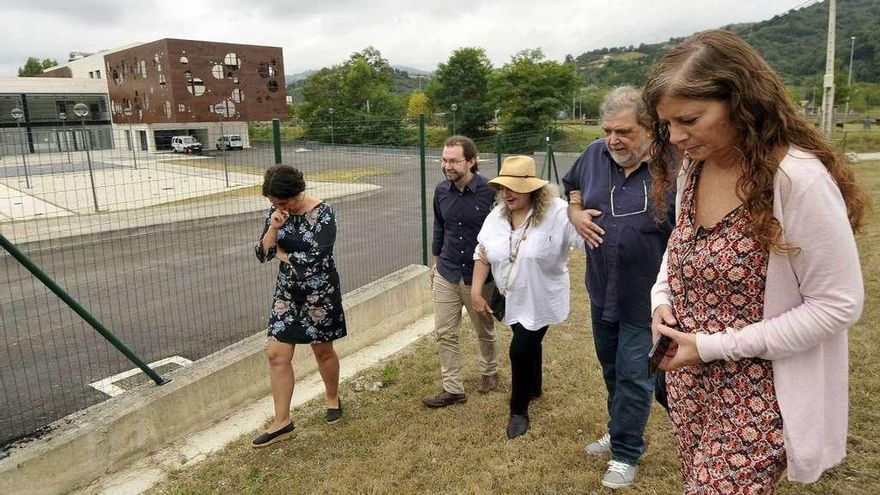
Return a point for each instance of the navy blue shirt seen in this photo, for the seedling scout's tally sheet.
(622, 270)
(458, 217)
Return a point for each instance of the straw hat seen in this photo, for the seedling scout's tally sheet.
(518, 175)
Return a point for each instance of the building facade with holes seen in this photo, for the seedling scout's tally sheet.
(143, 94)
(205, 89)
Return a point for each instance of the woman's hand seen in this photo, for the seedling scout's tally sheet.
(281, 255)
(682, 351)
(278, 218)
(662, 316)
(479, 304)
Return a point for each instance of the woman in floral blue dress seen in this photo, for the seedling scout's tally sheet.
(300, 231)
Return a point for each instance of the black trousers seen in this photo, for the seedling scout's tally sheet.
(525, 367)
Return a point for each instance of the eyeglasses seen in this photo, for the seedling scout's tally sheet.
(456, 161)
(616, 214)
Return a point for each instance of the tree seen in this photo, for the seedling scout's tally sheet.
(35, 66)
(463, 80)
(529, 91)
(359, 92)
(418, 104)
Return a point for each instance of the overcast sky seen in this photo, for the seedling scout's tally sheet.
(319, 33)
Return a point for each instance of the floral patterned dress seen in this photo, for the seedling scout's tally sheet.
(728, 422)
(307, 305)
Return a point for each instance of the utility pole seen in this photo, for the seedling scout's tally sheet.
(827, 126)
(852, 48)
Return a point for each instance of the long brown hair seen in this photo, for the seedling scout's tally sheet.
(719, 65)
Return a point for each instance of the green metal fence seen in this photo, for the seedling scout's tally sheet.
(157, 248)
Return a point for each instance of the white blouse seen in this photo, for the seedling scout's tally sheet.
(538, 289)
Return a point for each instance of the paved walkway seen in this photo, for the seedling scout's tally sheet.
(60, 202)
(868, 156)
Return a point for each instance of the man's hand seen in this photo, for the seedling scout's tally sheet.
(585, 227)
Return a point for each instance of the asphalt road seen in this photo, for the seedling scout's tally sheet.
(185, 289)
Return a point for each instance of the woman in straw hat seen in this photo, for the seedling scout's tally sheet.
(525, 241)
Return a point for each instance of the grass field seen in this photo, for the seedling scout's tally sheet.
(389, 443)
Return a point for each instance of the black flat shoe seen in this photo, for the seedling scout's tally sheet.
(334, 415)
(517, 426)
(266, 439)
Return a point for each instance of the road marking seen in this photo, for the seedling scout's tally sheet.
(107, 386)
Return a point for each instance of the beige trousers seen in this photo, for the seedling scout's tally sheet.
(448, 300)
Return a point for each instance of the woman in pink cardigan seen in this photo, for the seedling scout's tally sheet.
(761, 277)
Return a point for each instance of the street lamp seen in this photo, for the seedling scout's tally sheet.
(128, 112)
(222, 109)
(81, 110)
(454, 107)
(62, 116)
(332, 136)
(17, 114)
(849, 78)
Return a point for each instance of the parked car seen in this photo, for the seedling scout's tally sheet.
(230, 142)
(185, 144)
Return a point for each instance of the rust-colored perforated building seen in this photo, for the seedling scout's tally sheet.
(176, 86)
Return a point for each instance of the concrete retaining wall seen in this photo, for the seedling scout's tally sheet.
(107, 436)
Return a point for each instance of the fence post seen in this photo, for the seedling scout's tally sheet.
(498, 153)
(424, 192)
(80, 310)
(276, 139)
(550, 159)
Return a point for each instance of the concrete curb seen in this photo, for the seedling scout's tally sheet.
(110, 233)
(109, 436)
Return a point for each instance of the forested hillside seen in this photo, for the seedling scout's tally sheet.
(793, 43)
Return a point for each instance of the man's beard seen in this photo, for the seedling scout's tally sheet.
(453, 176)
(627, 159)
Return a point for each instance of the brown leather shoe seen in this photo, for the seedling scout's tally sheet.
(444, 399)
(488, 383)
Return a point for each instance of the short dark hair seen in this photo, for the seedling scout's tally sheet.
(467, 147)
(283, 182)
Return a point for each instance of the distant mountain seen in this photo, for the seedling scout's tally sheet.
(792, 43)
(299, 76)
(406, 80)
(411, 70)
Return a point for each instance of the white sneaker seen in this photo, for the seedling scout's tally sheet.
(600, 446)
(619, 475)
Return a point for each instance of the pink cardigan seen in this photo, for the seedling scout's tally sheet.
(811, 298)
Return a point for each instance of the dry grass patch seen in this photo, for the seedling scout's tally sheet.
(389, 443)
(347, 174)
(214, 164)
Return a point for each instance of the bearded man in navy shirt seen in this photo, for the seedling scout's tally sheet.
(608, 189)
(461, 204)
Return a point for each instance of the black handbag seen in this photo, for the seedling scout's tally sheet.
(497, 303)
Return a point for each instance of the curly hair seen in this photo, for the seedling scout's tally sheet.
(283, 181)
(719, 65)
(540, 200)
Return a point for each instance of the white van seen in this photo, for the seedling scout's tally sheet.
(185, 144)
(230, 142)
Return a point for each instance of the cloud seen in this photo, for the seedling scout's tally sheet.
(318, 34)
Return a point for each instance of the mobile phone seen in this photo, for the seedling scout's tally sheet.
(658, 350)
